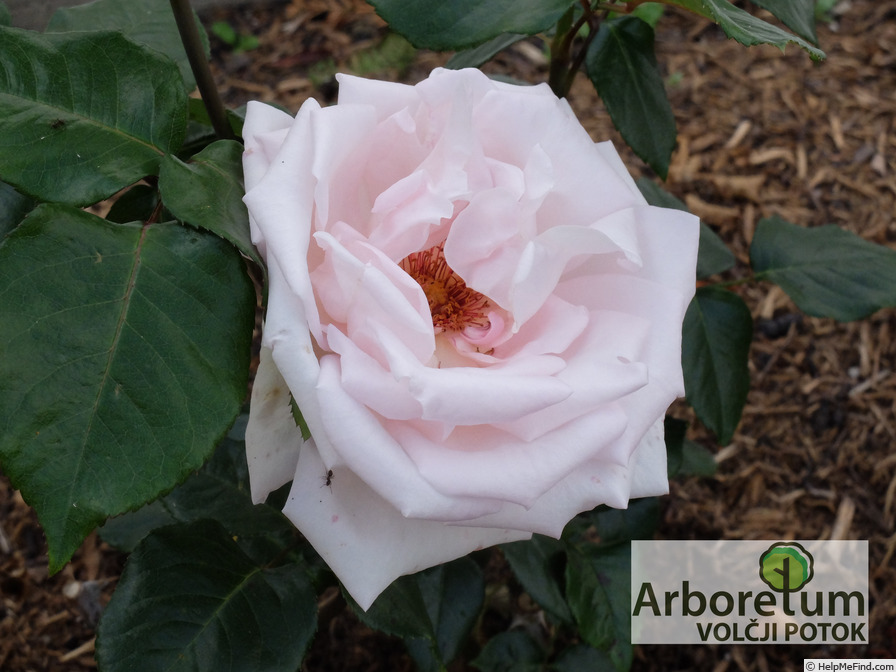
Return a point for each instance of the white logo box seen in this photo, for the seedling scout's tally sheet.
(710, 592)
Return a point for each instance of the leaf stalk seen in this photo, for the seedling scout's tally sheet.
(564, 65)
(189, 35)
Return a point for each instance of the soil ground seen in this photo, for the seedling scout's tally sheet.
(761, 133)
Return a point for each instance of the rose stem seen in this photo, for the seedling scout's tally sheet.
(560, 55)
(594, 25)
(562, 74)
(189, 35)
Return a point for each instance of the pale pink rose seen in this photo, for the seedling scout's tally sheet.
(476, 311)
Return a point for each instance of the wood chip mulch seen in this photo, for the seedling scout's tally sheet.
(761, 133)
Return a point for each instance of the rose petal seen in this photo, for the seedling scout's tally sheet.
(548, 256)
(447, 91)
(486, 241)
(263, 134)
(552, 329)
(374, 298)
(406, 214)
(512, 122)
(647, 466)
(286, 334)
(611, 156)
(364, 540)
(589, 486)
(370, 383)
(469, 395)
(283, 220)
(668, 244)
(482, 459)
(360, 439)
(659, 309)
(599, 371)
(387, 97)
(272, 438)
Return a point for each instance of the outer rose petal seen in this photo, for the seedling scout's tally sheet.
(649, 476)
(263, 135)
(368, 544)
(364, 539)
(272, 439)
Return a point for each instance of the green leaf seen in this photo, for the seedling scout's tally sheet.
(224, 32)
(538, 564)
(717, 333)
(124, 353)
(512, 651)
(622, 66)
(424, 655)
(83, 115)
(147, 22)
(208, 192)
(473, 58)
(696, 460)
(435, 609)
(5, 16)
(685, 457)
(13, 208)
(713, 256)
(589, 604)
(798, 15)
(579, 657)
(656, 195)
(639, 521)
(466, 23)
(649, 12)
(400, 610)
(827, 271)
(190, 600)
(453, 594)
(674, 431)
(744, 27)
(220, 491)
(246, 43)
(601, 599)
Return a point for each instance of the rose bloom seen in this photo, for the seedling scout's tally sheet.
(476, 311)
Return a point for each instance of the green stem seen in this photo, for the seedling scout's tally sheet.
(563, 67)
(560, 54)
(189, 35)
(583, 52)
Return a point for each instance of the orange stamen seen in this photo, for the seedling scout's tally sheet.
(452, 304)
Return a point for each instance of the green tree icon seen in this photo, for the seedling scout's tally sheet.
(786, 566)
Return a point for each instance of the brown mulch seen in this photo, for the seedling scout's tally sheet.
(760, 133)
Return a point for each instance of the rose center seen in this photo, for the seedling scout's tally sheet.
(452, 304)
